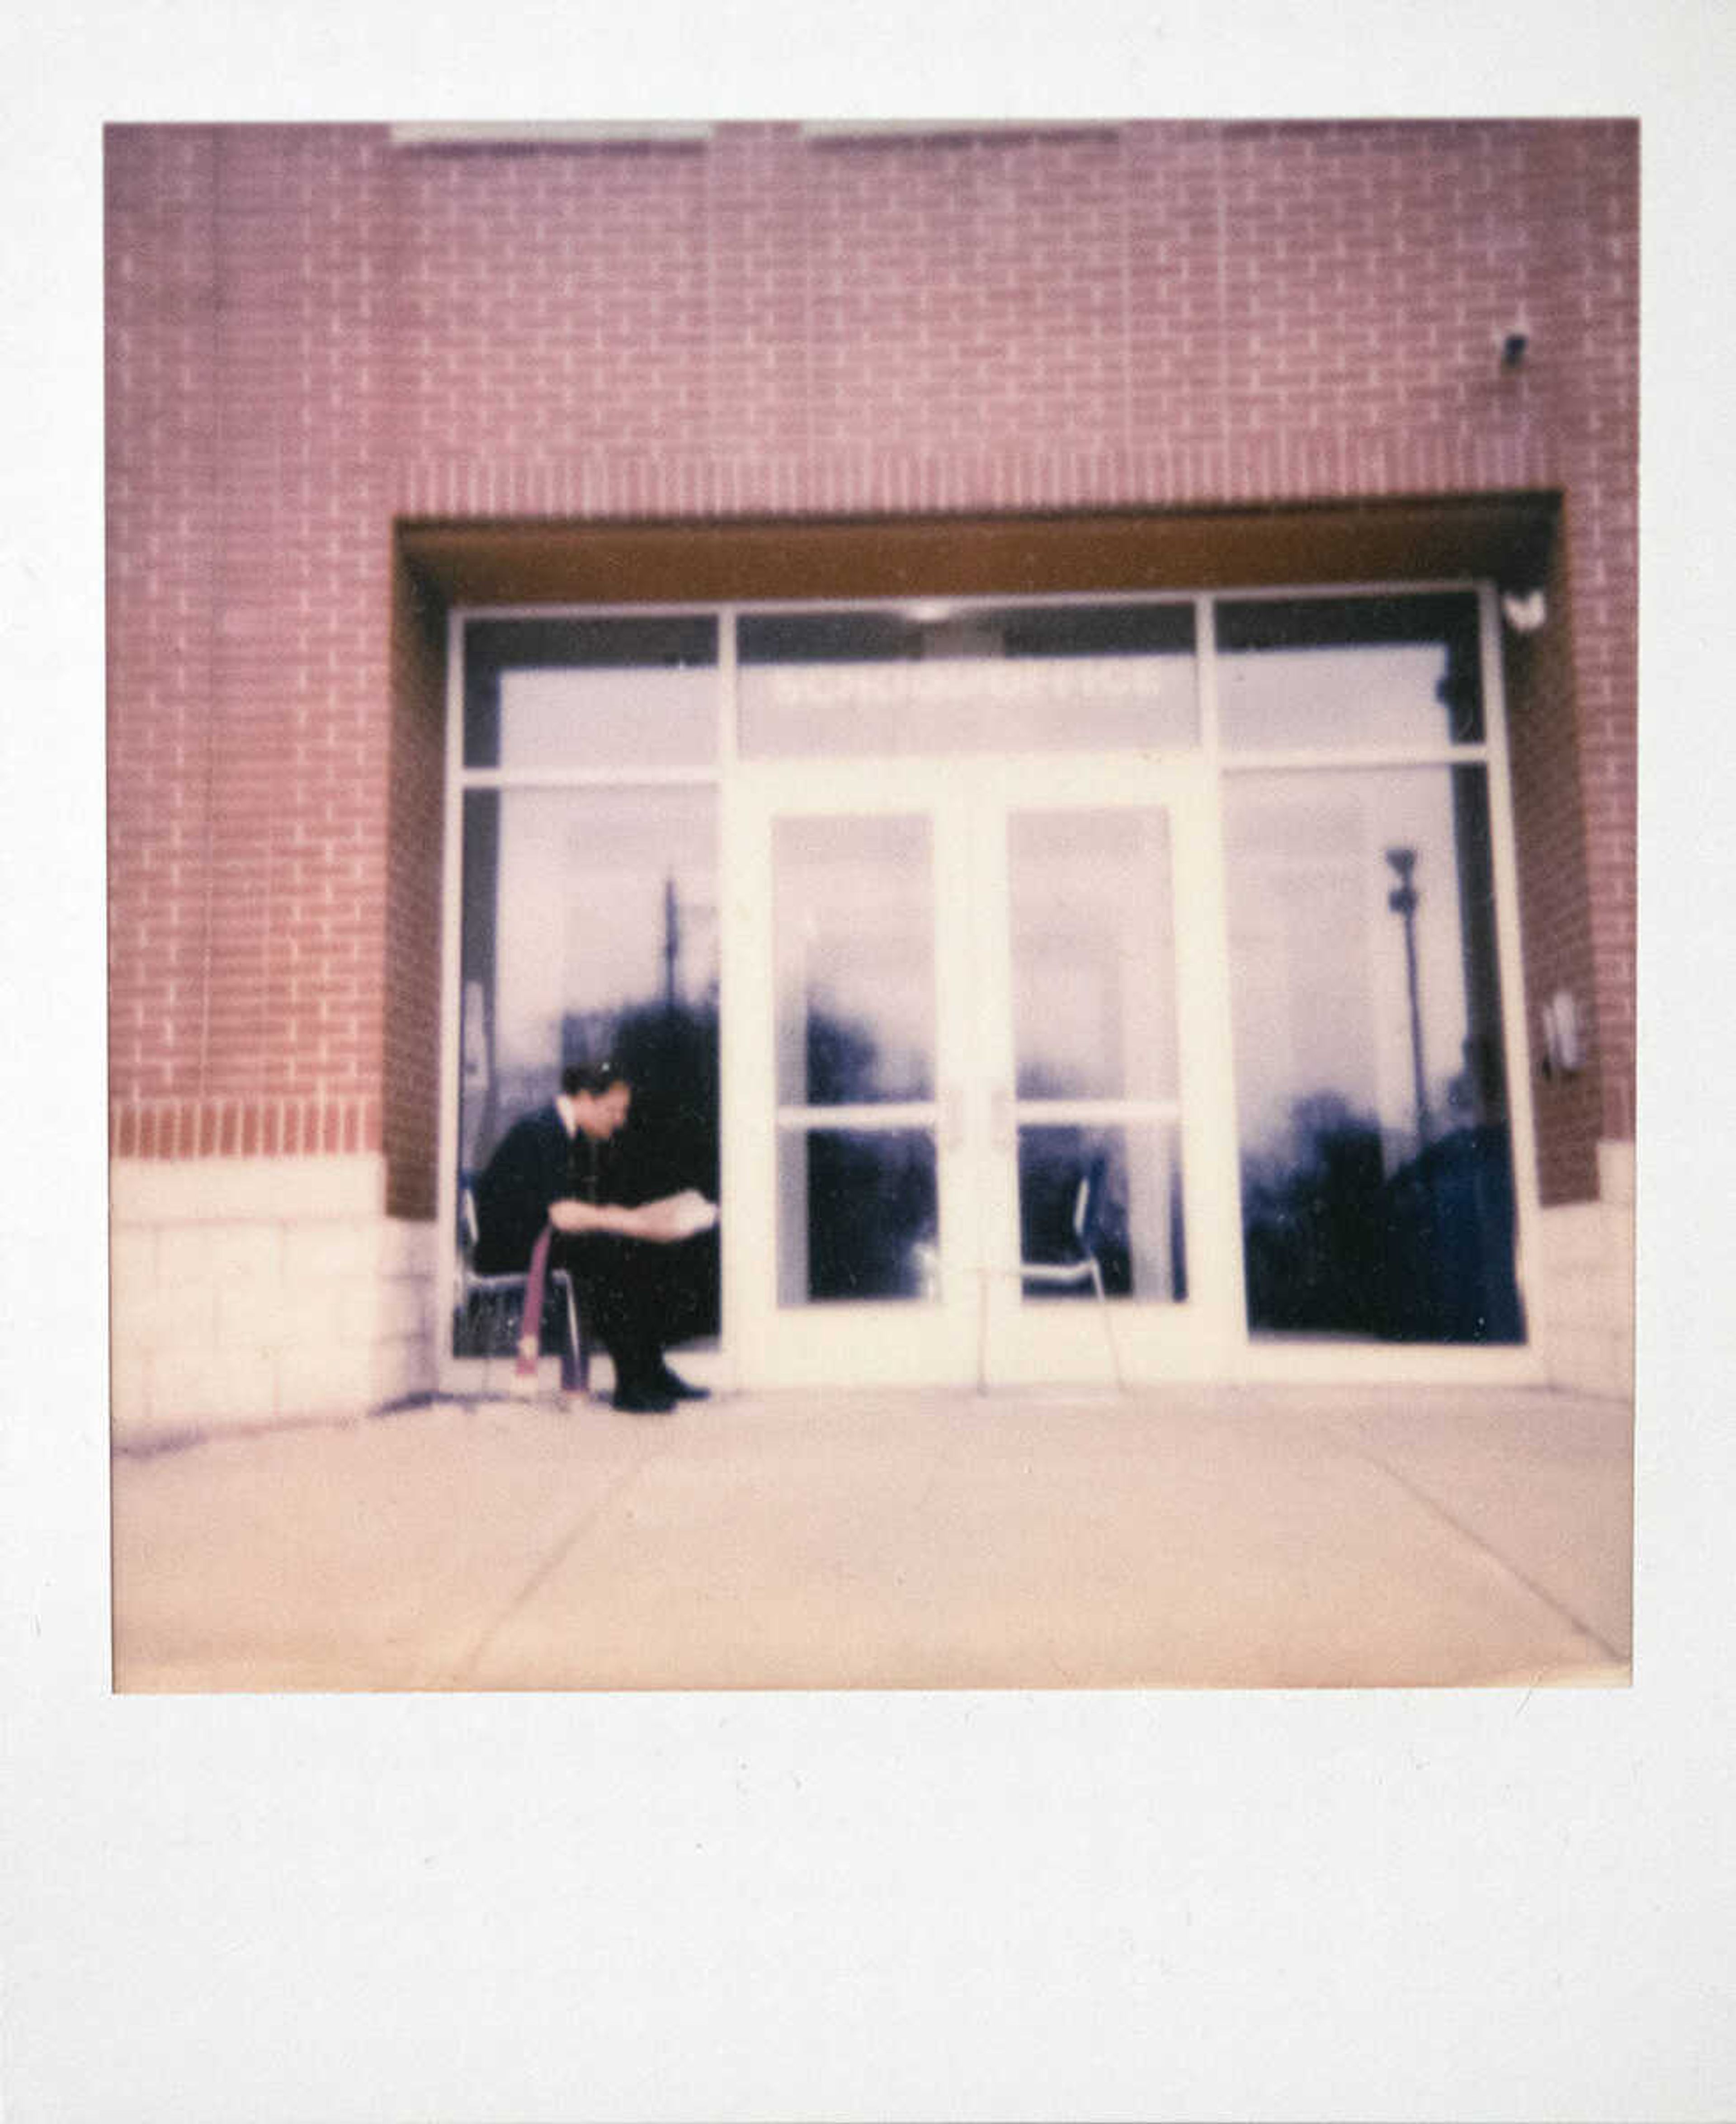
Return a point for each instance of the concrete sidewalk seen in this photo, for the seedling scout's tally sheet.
(1190, 1537)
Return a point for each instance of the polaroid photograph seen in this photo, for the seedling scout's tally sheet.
(868, 1252)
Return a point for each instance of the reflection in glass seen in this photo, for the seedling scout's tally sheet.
(1376, 1176)
(1337, 672)
(1115, 1192)
(590, 929)
(1016, 678)
(857, 1215)
(635, 693)
(1093, 952)
(854, 944)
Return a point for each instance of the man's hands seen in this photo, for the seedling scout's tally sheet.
(676, 1216)
(673, 1217)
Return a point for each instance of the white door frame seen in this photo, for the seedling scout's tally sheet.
(1217, 1343)
(979, 1329)
(902, 1341)
(1150, 1337)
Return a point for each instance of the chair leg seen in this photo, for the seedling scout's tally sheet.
(1106, 1313)
(575, 1355)
(522, 1344)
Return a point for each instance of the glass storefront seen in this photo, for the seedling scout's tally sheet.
(964, 939)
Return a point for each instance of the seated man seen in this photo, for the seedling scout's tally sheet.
(547, 1171)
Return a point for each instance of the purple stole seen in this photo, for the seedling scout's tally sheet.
(530, 1331)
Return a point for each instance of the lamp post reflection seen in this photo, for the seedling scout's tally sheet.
(1403, 900)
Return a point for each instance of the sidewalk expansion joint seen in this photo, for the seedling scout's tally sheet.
(557, 1555)
(1432, 1504)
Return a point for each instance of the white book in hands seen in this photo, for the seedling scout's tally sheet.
(680, 1216)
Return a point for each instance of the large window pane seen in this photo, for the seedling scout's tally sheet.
(1337, 672)
(1377, 1179)
(633, 693)
(591, 929)
(1009, 679)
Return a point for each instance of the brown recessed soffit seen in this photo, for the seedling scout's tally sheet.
(1505, 538)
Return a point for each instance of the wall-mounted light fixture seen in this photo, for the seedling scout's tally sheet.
(1515, 346)
(1524, 611)
(1564, 1054)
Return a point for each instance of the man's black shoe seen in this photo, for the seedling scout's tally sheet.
(645, 1399)
(679, 1389)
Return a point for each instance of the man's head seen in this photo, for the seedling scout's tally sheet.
(601, 1096)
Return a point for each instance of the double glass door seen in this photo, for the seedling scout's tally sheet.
(976, 1084)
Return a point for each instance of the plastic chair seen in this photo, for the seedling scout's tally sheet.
(1082, 1267)
(491, 1308)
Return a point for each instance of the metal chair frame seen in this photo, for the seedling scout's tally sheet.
(1072, 1275)
(490, 1292)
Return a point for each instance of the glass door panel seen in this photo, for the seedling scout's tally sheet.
(1132, 1178)
(1091, 909)
(1091, 913)
(858, 1214)
(854, 947)
(1098, 1130)
(851, 1247)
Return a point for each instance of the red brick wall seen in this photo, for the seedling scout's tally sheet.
(1170, 314)
(1589, 175)
(164, 533)
(1550, 821)
(248, 733)
(312, 333)
(1573, 689)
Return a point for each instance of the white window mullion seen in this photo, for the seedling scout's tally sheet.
(893, 1114)
(1509, 951)
(588, 777)
(1094, 1113)
(452, 990)
(1382, 757)
(1205, 672)
(729, 722)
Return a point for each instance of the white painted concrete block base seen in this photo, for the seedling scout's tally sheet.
(245, 1290)
(1583, 1306)
(251, 1290)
